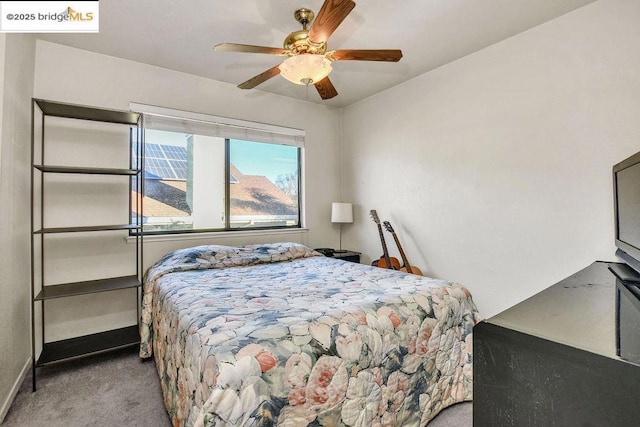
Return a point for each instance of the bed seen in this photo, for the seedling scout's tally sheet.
(277, 334)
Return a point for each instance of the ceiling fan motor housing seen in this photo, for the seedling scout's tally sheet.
(298, 42)
(303, 16)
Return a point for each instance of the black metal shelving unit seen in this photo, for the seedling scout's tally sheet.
(81, 346)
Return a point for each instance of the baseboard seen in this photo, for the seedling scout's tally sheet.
(14, 390)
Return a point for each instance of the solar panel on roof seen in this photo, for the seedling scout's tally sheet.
(153, 150)
(165, 161)
(174, 153)
(179, 168)
(160, 167)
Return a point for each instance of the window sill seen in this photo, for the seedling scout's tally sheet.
(217, 235)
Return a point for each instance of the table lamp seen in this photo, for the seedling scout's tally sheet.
(341, 213)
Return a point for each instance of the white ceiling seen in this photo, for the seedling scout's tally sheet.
(180, 35)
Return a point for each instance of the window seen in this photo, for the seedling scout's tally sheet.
(263, 185)
(203, 176)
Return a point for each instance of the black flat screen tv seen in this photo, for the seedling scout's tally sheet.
(626, 192)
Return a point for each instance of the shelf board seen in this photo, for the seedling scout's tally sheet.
(85, 170)
(87, 345)
(51, 230)
(87, 287)
(71, 111)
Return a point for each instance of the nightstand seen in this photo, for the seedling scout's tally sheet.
(352, 256)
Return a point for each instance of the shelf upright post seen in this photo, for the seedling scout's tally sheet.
(33, 315)
(42, 239)
(139, 200)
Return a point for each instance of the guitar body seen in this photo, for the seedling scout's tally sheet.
(382, 263)
(412, 270)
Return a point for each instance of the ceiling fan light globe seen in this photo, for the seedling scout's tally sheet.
(305, 69)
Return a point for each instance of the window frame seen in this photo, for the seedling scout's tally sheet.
(227, 195)
(181, 116)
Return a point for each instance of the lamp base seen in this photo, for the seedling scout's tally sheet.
(340, 251)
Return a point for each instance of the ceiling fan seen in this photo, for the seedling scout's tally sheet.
(309, 61)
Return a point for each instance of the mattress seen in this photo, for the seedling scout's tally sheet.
(278, 334)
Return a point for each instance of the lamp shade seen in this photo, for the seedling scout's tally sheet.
(342, 212)
(305, 69)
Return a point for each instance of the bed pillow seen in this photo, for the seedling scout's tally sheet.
(200, 254)
(220, 256)
(285, 250)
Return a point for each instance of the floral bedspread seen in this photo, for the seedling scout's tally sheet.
(279, 335)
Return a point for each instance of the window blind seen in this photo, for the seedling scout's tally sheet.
(171, 120)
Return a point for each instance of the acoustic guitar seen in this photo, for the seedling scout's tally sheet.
(385, 260)
(406, 267)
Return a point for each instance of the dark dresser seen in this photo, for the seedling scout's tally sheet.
(567, 356)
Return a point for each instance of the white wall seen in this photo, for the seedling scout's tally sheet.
(17, 53)
(496, 169)
(71, 75)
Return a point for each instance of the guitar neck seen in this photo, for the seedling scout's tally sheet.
(384, 247)
(402, 255)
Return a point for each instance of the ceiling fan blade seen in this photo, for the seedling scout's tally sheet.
(326, 89)
(388, 55)
(247, 48)
(260, 78)
(330, 16)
